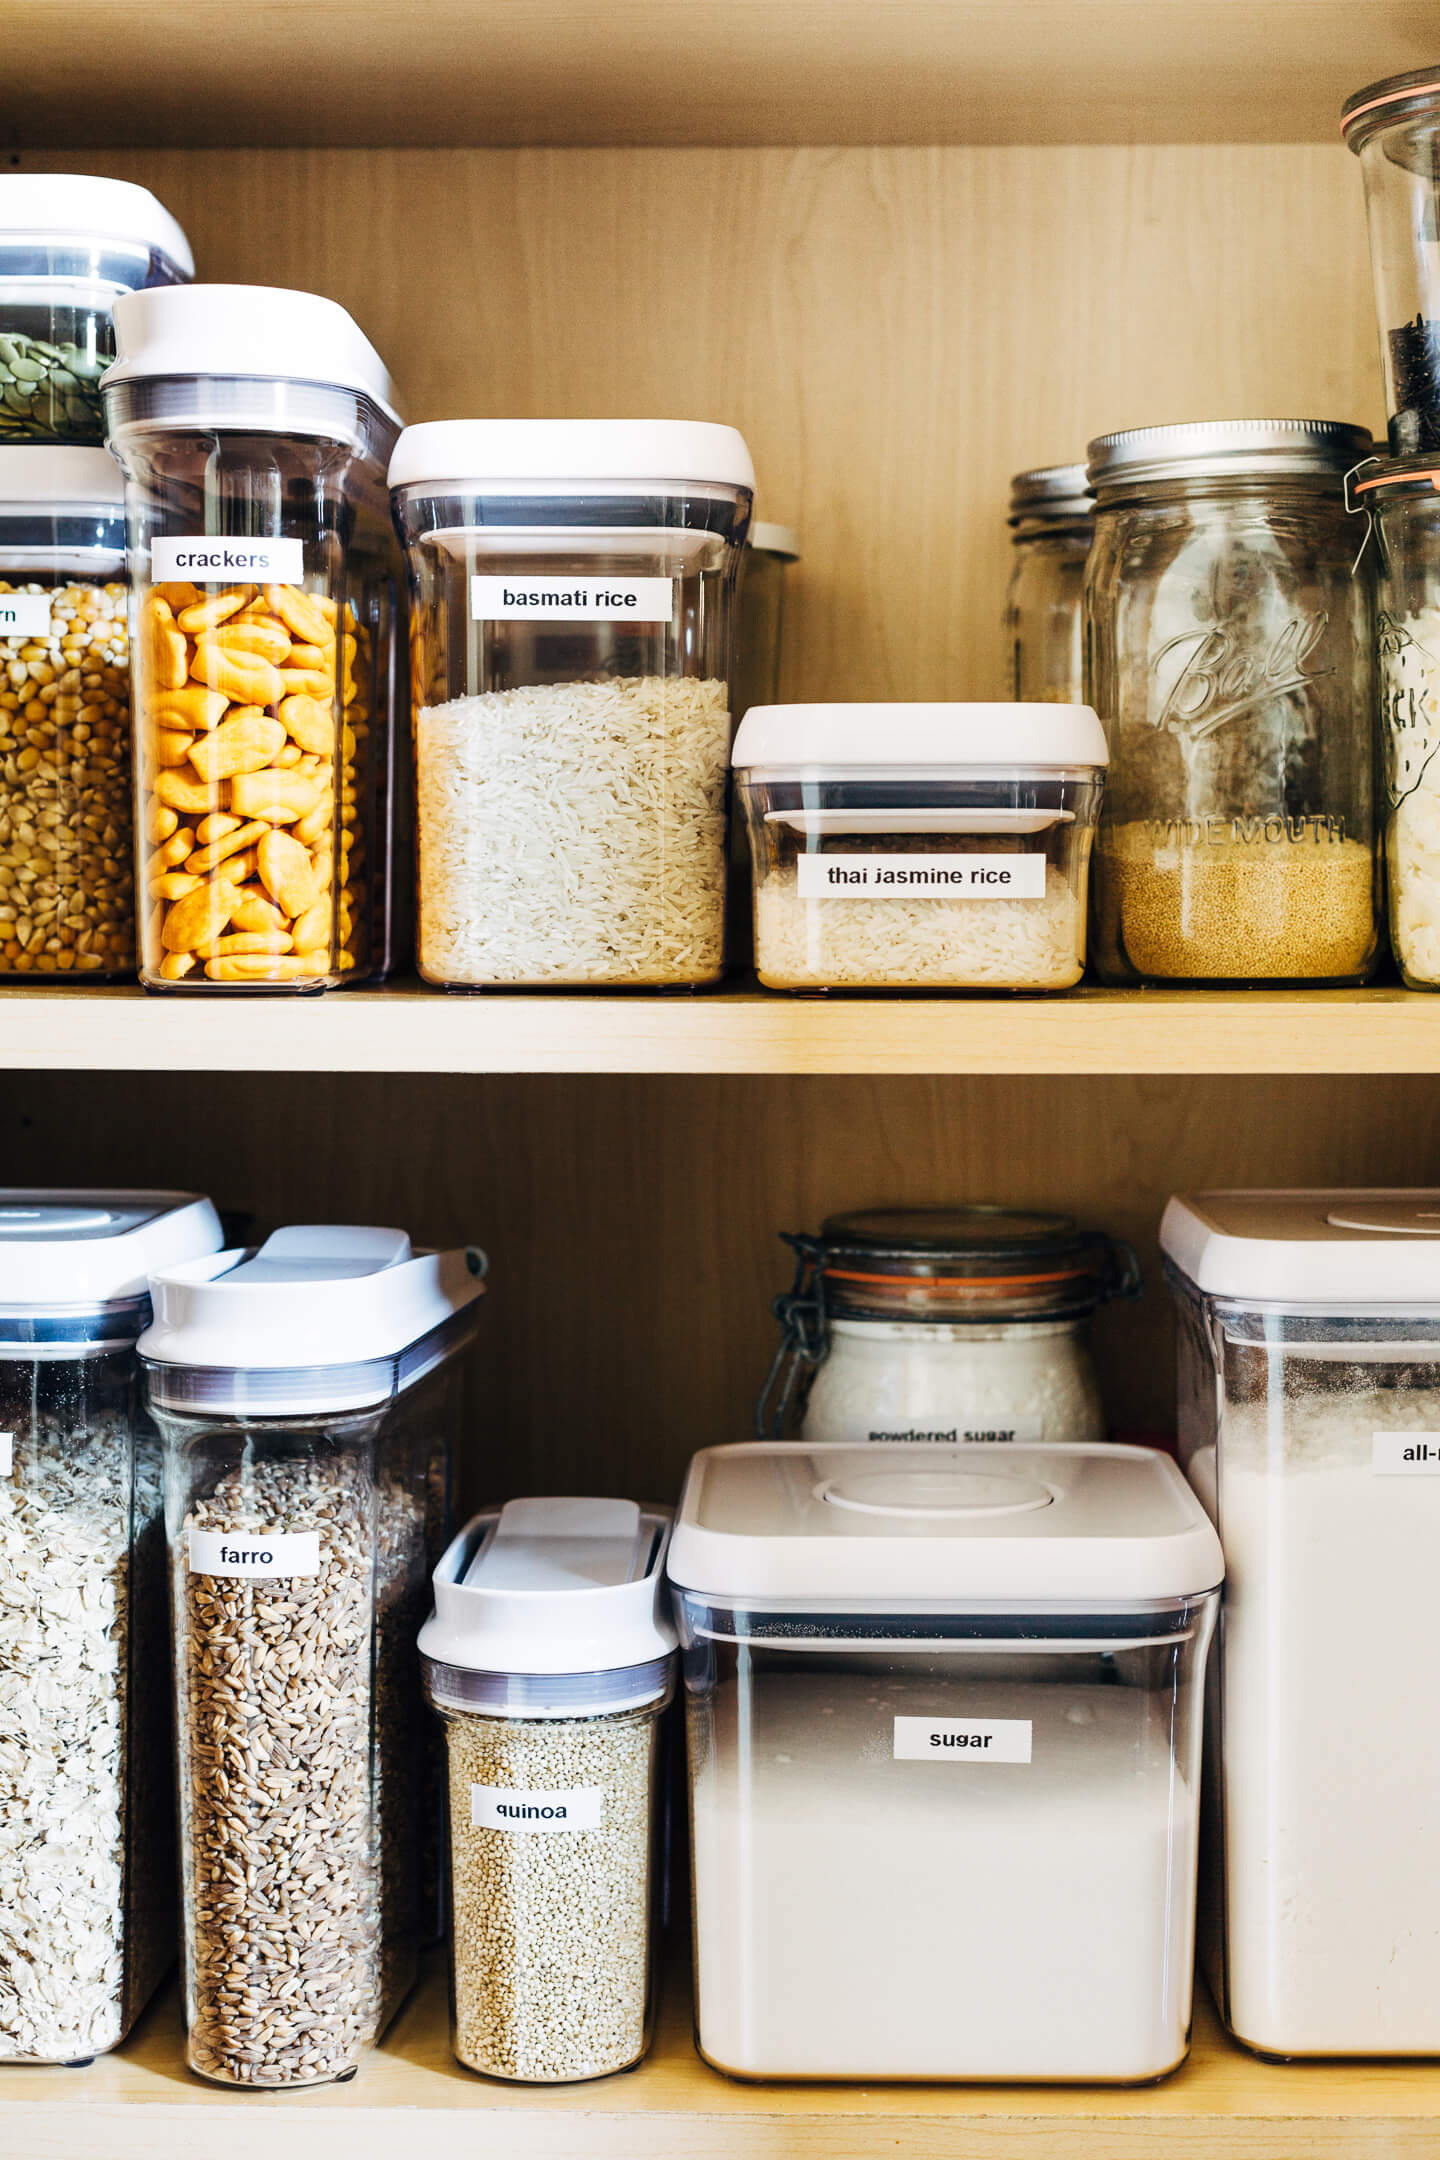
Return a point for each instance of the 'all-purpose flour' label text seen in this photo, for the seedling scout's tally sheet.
(254, 1552)
(24, 614)
(1405, 1454)
(953, 1739)
(204, 559)
(550, 599)
(903, 877)
(500, 1807)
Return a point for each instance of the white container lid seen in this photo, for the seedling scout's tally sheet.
(846, 1527)
(1350, 1248)
(86, 1249)
(570, 1590)
(464, 454)
(245, 331)
(81, 207)
(1000, 736)
(53, 474)
(782, 540)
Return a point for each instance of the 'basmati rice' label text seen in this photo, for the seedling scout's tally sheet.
(529, 599)
(906, 877)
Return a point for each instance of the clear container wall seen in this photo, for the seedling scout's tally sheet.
(971, 1858)
(989, 1385)
(67, 895)
(1406, 537)
(87, 1833)
(1313, 1438)
(1401, 165)
(1229, 655)
(1045, 612)
(56, 333)
(962, 880)
(571, 660)
(757, 682)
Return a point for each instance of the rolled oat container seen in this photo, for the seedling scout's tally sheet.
(572, 587)
(920, 847)
(303, 1392)
(253, 426)
(87, 1817)
(550, 1656)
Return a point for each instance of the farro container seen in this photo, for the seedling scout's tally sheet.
(87, 1826)
(550, 1658)
(301, 1393)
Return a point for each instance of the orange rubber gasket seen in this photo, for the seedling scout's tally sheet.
(1399, 479)
(958, 1282)
(1391, 97)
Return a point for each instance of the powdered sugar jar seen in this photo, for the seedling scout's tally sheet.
(966, 1324)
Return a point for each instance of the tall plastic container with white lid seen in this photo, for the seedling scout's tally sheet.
(70, 245)
(550, 1657)
(1309, 1385)
(303, 1392)
(944, 1738)
(87, 1831)
(920, 847)
(572, 594)
(254, 427)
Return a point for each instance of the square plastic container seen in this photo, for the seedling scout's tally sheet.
(1309, 1370)
(920, 847)
(944, 1739)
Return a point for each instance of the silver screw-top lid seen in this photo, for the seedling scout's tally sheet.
(1226, 449)
(1050, 491)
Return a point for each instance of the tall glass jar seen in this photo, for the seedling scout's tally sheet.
(1394, 129)
(1051, 526)
(1229, 655)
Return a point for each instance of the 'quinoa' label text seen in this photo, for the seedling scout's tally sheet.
(24, 615)
(201, 559)
(1405, 1454)
(553, 599)
(254, 1552)
(970, 1740)
(502, 1807)
(903, 877)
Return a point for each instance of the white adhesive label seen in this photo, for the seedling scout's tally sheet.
(953, 1739)
(911, 877)
(24, 614)
(1405, 1454)
(550, 599)
(7, 1454)
(1031, 1429)
(254, 1552)
(502, 1807)
(201, 559)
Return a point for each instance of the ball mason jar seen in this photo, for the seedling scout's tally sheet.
(1051, 527)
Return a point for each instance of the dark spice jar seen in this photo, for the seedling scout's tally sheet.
(1394, 129)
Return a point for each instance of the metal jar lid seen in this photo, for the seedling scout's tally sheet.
(1227, 450)
(1394, 98)
(1050, 491)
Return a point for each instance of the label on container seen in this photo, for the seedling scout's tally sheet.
(554, 599)
(201, 559)
(1023, 1429)
(24, 614)
(503, 1807)
(7, 1454)
(1405, 1454)
(962, 1739)
(254, 1552)
(910, 877)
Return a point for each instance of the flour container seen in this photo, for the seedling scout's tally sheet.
(87, 1827)
(303, 1392)
(1309, 1375)
(1051, 526)
(550, 1657)
(944, 1737)
(1394, 129)
(964, 1324)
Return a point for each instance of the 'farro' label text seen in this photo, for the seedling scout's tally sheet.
(501, 1807)
(254, 1552)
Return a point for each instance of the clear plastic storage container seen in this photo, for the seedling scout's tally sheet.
(769, 553)
(254, 426)
(1394, 128)
(966, 1324)
(572, 587)
(550, 1657)
(69, 246)
(1309, 1375)
(67, 894)
(87, 1819)
(944, 1730)
(1051, 525)
(920, 847)
(303, 1393)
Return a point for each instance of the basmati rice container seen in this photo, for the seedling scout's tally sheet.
(920, 847)
(572, 583)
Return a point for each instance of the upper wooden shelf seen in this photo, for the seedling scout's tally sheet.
(405, 1029)
(358, 73)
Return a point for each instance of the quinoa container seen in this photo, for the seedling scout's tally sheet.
(920, 847)
(964, 1325)
(67, 904)
(944, 1738)
(87, 1821)
(304, 1393)
(70, 245)
(1309, 1398)
(253, 426)
(1394, 129)
(550, 1657)
(1052, 523)
(572, 589)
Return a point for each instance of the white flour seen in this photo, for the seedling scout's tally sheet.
(894, 1380)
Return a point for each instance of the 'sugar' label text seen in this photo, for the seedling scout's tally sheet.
(24, 615)
(201, 559)
(499, 1807)
(975, 1740)
(254, 1552)
(617, 599)
(910, 877)
(1405, 1454)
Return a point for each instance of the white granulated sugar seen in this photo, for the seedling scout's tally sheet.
(919, 944)
(897, 1380)
(574, 833)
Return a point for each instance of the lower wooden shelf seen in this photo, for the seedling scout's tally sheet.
(411, 2096)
